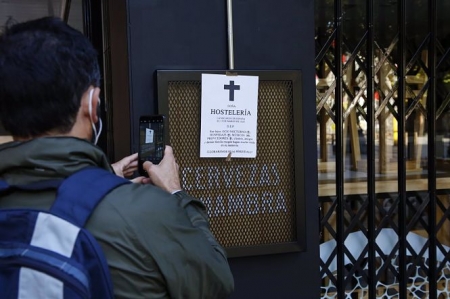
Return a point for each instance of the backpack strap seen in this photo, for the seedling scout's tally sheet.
(80, 193)
(3, 185)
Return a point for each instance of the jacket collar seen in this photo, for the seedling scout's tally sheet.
(48, 158)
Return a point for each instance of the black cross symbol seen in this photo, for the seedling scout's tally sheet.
(232, 88)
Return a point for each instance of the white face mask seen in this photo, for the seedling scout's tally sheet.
(96, 134)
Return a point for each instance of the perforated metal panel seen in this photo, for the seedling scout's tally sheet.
(251, 202)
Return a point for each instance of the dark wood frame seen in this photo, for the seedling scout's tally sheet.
(3, 131)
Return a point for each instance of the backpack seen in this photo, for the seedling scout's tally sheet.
(48, 254)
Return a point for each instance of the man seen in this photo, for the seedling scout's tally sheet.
(157, 244)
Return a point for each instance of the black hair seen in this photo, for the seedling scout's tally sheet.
(45, 67)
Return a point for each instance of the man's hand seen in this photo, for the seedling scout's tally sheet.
(127, 166)
(165, 175)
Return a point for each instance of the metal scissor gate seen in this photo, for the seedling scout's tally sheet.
(383, 141)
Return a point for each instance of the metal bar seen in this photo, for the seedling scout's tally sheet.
(371, 151)
(340, 210)
(92, 10)
(230, 34)
(65, 10)
(431, 117)
(107, 86)
(402, 277)
(325, 48)
(87, 16)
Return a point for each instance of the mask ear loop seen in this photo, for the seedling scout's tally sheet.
(96, 134)
(100, 126)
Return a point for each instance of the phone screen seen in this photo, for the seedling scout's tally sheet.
(151, 140)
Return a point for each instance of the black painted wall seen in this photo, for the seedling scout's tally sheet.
(180, 34)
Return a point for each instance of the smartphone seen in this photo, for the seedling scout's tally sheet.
(151, 140)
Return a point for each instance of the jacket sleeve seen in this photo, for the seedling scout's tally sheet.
(190, 259)
(198, 217)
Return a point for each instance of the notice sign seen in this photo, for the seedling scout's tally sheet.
(229, 116)
(149, 135)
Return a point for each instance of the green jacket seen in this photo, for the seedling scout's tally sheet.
(157, 245)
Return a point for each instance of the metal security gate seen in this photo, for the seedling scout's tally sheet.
(383, 142)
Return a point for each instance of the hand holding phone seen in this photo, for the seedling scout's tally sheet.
(165, 174)
(151, 140)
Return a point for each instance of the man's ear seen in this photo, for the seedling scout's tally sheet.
(95, 105)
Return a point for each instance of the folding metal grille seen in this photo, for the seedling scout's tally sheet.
(251, 202)
(385, 226)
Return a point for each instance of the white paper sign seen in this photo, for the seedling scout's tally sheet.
(148, 135)
(229, 114)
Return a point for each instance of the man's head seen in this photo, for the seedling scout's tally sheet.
(47, 68)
